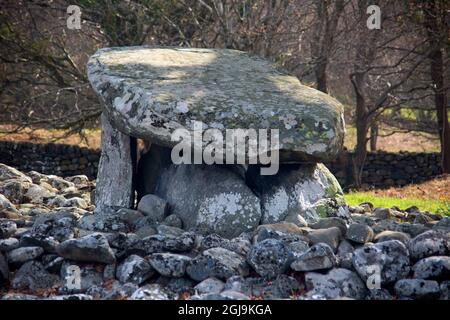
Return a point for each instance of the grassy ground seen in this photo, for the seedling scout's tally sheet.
(430, 205)
(432, 196)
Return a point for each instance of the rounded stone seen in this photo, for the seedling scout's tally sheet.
(336, 283)
(210, 199)
(417, 289)
(269, 258)
(32, 275)
(360, 233)
(308, 190)
(386, 261)
(437, 267)
(91, 248)
(134, 269)
(21, 255)
(7, 229)
(331, 236)
(326, 223)
(210, 285)
(217, 262)
(430, 243)
(392, 235)
(169, 264)
(153, 206)
(318, 257)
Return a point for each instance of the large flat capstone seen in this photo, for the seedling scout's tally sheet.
(149, 92)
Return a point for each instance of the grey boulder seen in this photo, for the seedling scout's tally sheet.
(48, 243)
(443, 225)
(5, 203)
(169, 264)
(21, 255)
(319, 257)
(392, 235)
(437, 267)
(210, 285)
(217, 262)
(430, 243)
(79, 278)
(8, 244)
(7, 173)
(239, 245)
(379, 294)
(33, 275)
(151, 292)
(345, 255)
(7, 229)
(4, 270)
(134, 269)
(360, 233)
(331, 236)
(282, 287)
(335, 283)
(90, 248)
(210, 199)
(154, 207)
(385, 262)
(297, 189)
(417, 289)
(269, 258)
(445, 290)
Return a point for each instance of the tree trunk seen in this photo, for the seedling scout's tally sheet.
(115, 176)
(361, 149)
(321, 76)
(373, 137)
(362, 128)
(323, 41)
(433, 14)
(440, 101)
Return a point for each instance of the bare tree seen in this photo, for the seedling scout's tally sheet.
(328, 14)
(44, 82)
(437, 26)
(43, 62)
(383, 63)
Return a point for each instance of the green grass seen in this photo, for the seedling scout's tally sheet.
(434, 206)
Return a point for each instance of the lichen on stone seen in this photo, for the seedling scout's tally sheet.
(149, 92)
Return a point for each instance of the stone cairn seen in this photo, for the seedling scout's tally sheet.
(210, 231)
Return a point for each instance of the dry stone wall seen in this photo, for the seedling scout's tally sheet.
(382, 169)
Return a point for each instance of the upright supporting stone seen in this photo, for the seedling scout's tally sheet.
(115, 173)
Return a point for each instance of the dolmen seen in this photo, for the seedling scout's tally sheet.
(230, 140)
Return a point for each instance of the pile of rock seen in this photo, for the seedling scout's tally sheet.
(48, 252)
